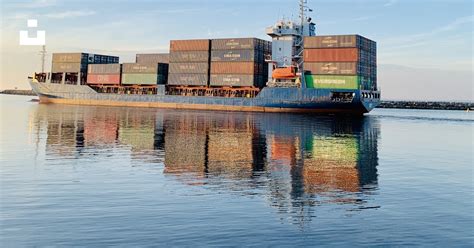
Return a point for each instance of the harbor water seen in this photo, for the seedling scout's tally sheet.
(109, 176)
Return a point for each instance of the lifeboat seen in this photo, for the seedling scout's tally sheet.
(284, 73)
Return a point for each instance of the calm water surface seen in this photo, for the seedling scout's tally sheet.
(104, 176)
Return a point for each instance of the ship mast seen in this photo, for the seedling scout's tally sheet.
(43, 58)
(302, 12)
(305, 23)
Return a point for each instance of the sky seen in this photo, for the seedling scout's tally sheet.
(425, 47)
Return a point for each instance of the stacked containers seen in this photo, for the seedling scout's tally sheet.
(189, 62)
(144, 74)
(78, 62)
(239, 62)
(340, 62)
(104, 74)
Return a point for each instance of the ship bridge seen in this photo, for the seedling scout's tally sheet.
(286, 63)
(283, 28)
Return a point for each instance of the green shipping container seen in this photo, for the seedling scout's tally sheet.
(334, 82)
(138, 78)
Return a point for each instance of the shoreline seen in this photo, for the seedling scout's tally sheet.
(432, 105)
(429, 105)
(18, 92)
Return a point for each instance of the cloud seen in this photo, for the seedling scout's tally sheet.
(19, 16)
(435, 32)
(69, 14)
(390, 3)
(448, 27)
(177, 11)
(36, 4)
(348, 20)
(456, 23)
(363, 18)
(59, 15)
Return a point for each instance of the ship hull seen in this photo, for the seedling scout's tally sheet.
(289, 100)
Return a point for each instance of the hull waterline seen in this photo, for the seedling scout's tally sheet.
(288, 100)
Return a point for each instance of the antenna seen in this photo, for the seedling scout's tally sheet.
(302, 10)
(43, 58)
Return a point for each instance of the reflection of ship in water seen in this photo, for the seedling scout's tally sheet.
(70, 130)
(295, 161)
(212, 145)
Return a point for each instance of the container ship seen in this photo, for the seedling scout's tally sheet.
(297, 71)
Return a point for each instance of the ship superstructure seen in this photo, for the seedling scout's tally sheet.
(286, 63)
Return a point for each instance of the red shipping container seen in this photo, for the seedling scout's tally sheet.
(103, 79)
(331, 55)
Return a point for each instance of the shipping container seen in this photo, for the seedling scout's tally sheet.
(238, 80)
(331, 55)
(339, 41)
(143, 79)
(237, 55)
(68, 67)
(188, 79)
(236, 68)
(338, 68)
(104, 69)
(180, 68)
(85, 58)
(70, 57)
(369, 84)
(340, 55)
(190, 45)
(189, 56)
(145, 68)
(103, 78)
(334, 82)
(331, 68)
(238, 44)
(152, 58)
(268, 47)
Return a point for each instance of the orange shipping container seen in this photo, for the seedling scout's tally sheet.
(189, 45)
(234, 68)
(331, 55)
